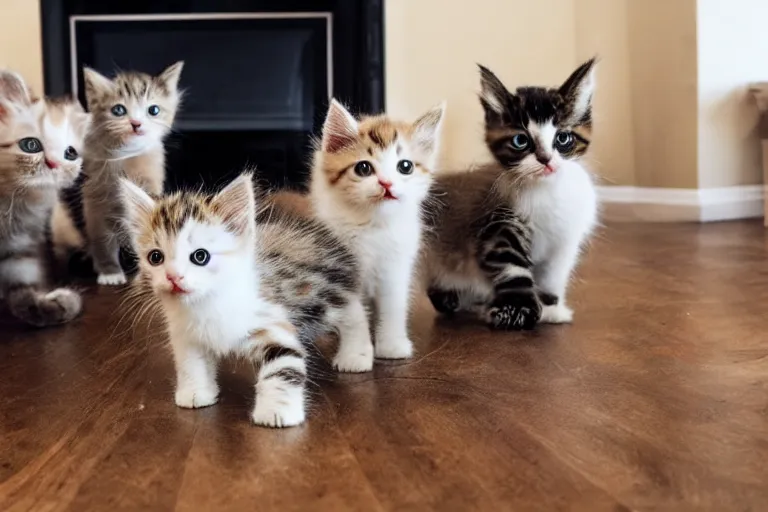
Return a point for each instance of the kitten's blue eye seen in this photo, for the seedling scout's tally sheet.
(563, 139)
(70, 153)
(519, 141)
(30, 145)
(200, 257)
(405, 167)
(153, 110)
(155, 257)
(363, 169)
(119, 110)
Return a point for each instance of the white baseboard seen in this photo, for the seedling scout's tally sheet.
(682, 204)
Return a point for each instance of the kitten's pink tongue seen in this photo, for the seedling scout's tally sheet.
(176, 290)
(388, 195)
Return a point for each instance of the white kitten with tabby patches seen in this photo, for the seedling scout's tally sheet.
(228, 284)
(369, 180)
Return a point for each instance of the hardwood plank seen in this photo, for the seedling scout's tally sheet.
(654, 399)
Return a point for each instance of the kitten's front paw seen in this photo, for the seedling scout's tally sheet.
(388, 347)
(278, 406)
(68, 303)
(43, 309)
(355, 360)
(557, 314)
(116, 279)
(514, 313)
(444, 301)
(193, 398)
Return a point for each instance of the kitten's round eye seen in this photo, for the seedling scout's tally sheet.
(405, 167)
(563, 139)
(30, 145)
(70, 153)
(519, 141)
(119, 110)
(200, 257)
(155, 257)
(363, 169)
(153, 110)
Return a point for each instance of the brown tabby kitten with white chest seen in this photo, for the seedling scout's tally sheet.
(132, 114)
(505, 238)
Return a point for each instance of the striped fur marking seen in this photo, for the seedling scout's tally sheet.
(504, 255)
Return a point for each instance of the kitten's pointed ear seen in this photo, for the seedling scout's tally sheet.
(493, 94)
(13, 88)
(339, 129)
(578, 90)
(96, 84)
(13, 92)
(236, 204)
(427, 131)
(171, 75)
(138, 206)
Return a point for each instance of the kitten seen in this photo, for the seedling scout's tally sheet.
(132, 114)
(40, 145)
(509, 234)
(229, 284)
(369, 180)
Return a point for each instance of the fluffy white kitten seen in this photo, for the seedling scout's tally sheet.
(370, 178)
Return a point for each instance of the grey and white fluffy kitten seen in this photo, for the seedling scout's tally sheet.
(40, 145)
(132, 114)
(229, 284)
(506, 237)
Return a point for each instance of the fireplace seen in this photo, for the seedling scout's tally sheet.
(258, 75)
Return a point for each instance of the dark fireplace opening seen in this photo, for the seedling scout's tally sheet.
(258, 75)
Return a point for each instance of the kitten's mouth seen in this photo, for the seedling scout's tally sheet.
(388, 195)
(178, 290)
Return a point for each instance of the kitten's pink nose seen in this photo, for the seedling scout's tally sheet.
(547, 161)
(174, 278)
(136, 125)
(386, 184)
(51, 164)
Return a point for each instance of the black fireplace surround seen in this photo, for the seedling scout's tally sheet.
(258, 74)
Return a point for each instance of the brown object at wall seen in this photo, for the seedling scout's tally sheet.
(760, 92)
(656, 398)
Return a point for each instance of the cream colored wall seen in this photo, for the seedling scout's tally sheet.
(601, 29)
(432, 47)
(671, 108)
(20, 42)
(662, 56)
(646, 115)
(732, 52)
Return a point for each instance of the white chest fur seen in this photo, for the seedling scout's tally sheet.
(384, 244)
(562, 210)
(223, 322)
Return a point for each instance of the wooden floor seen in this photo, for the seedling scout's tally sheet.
(656, 398)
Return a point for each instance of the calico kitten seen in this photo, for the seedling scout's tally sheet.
(509, 235)
(40, 144)
(369, 180)
(228, 284)
(132, 114)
